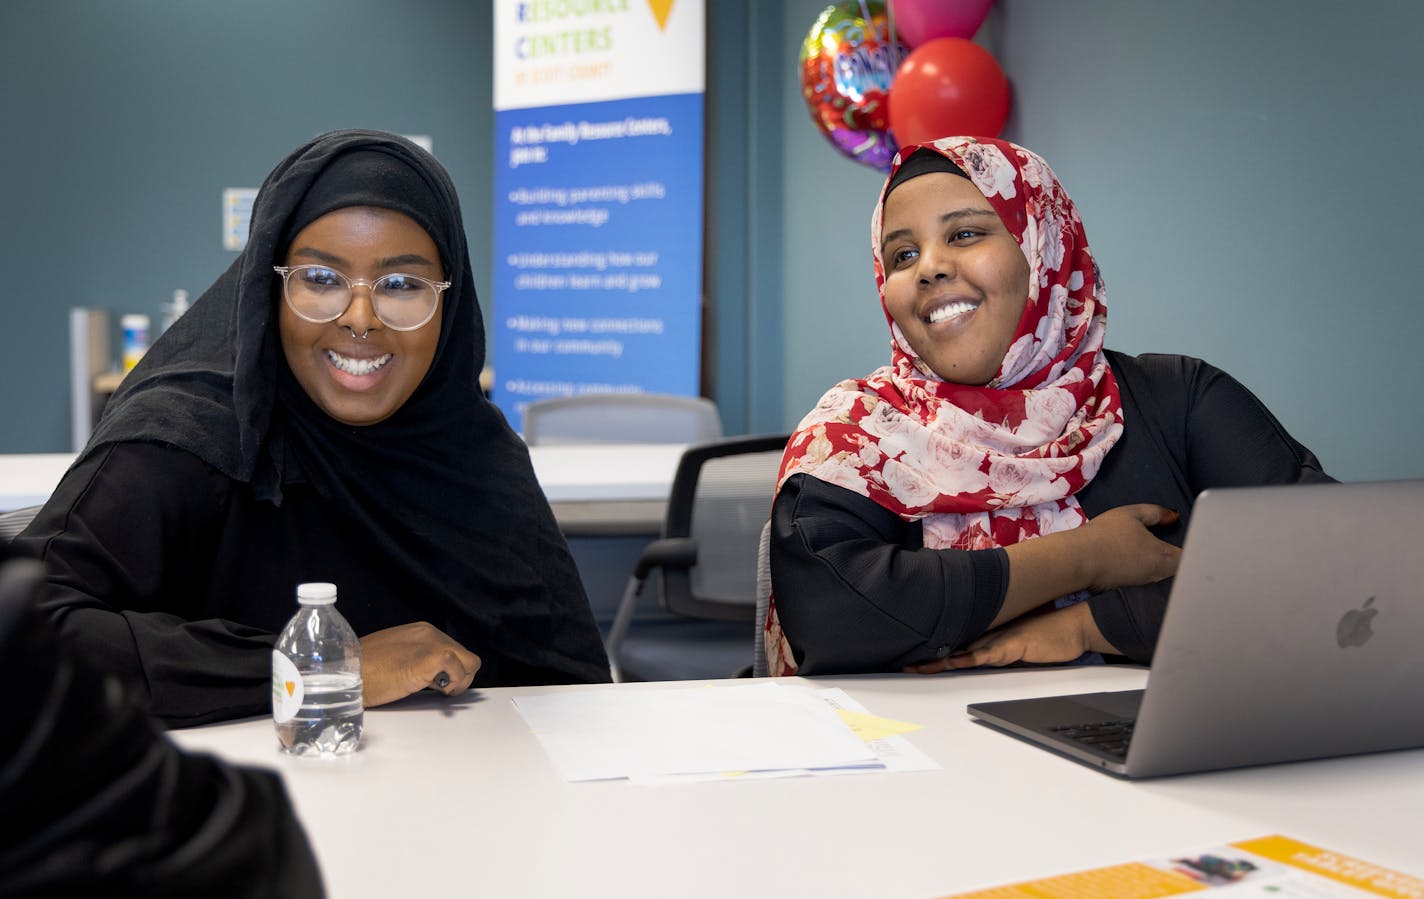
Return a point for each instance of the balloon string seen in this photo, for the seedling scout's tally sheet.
(890, 27)
(869, 22)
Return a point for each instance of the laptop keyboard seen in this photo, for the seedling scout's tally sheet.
(1110, 737)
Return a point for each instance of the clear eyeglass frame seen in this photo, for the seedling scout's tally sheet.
(286, 271)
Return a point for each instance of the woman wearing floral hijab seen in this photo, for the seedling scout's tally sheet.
(1006, 489)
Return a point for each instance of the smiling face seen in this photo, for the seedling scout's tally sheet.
(355, 381)
(956, 282)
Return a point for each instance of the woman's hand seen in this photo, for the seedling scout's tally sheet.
(1123, 552)
(1115, 549)
(1058, 636)
(399, 661)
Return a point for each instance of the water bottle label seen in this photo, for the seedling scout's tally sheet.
(286, 688)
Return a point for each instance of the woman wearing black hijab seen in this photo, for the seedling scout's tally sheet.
(279, 433)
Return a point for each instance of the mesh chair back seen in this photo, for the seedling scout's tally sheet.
(733, 501)
(13, 522)
(721, 498)
(621, 418)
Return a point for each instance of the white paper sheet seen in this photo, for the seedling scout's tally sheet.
(893, 753)
(596, 735)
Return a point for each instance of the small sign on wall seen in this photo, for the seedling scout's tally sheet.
(237, 213)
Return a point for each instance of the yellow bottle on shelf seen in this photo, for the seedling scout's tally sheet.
(135, 329)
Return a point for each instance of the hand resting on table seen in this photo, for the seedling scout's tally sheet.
(1115, 549)
(402, 660)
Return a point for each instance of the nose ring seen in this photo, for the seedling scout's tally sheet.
(353, 332)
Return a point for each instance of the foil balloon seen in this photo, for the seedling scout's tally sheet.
(848, 61)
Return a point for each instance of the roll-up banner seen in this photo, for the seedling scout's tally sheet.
(597, 198)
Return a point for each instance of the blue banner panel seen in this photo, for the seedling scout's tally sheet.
(597, 249)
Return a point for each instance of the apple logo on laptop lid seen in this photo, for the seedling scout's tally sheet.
(1354, 628)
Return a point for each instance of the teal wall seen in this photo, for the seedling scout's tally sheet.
(124, 120)
(1249, 177)
(1246, 172)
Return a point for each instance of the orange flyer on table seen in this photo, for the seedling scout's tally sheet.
(1274, 866)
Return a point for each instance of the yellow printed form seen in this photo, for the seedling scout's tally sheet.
(1129, 881)
(1273, 865)
(1361, 875)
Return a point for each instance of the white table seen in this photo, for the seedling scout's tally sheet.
(458, 798)
(607, 490)
(598, 489)
(28, 479)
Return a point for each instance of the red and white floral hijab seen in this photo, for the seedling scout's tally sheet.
(983, 466)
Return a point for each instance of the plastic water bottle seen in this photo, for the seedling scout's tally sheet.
(174, 310)
(316, 678)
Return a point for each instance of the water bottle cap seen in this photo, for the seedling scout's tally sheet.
(316, 594)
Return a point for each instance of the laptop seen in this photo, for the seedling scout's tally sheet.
(1295, 630)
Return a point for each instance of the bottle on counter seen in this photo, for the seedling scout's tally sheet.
(174, 310)
(316, 678)
(135, 328)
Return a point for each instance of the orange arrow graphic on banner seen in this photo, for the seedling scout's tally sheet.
(661, 9)
(291, 687)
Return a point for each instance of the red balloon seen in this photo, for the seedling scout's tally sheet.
(948, 86)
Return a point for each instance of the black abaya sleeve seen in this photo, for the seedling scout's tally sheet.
(857, 591)
(128, 538)
(1210, 431)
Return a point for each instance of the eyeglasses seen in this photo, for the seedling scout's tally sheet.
(319, 294)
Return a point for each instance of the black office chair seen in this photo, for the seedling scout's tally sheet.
(761, 667)
(721, 496)
(621, 418)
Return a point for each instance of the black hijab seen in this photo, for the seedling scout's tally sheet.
(921, 162)
(443, 484)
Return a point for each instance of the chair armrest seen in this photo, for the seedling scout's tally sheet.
(669, 552)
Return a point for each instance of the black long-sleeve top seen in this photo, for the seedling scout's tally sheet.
(857, 591)
(177, 579)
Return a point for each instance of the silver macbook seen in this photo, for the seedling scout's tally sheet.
(1295, 630)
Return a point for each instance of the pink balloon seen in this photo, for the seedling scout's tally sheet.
(918, 21)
